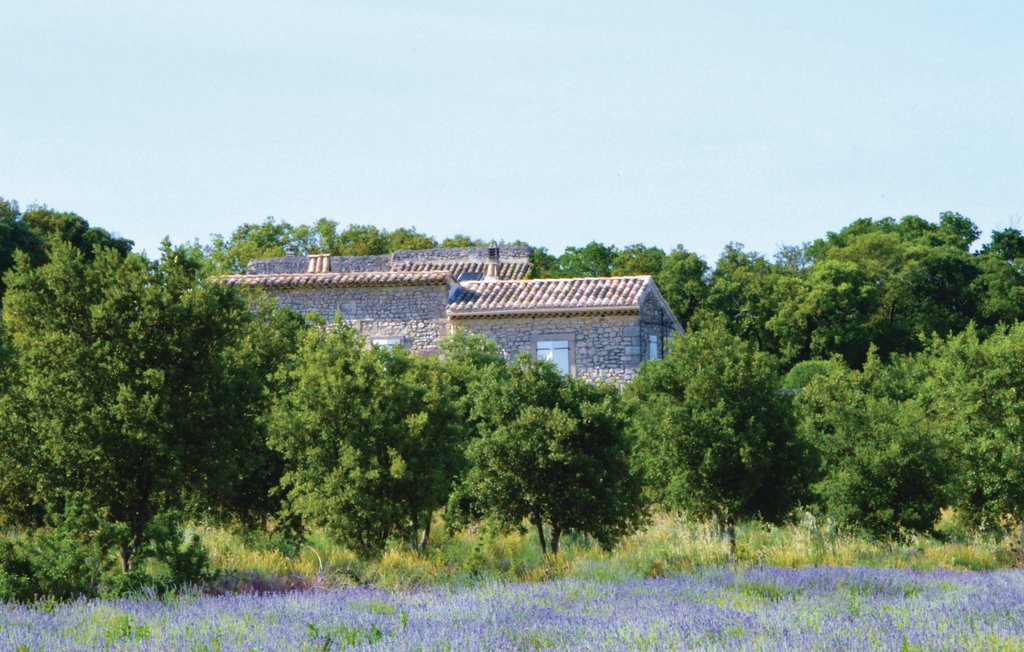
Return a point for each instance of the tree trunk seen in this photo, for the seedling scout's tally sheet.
(556, 534)
(126, 557)
(426, 532)
(540, 537)
(129, 549)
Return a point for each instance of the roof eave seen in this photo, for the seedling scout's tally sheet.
(516, 312)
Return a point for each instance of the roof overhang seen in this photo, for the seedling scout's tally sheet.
(532, 312)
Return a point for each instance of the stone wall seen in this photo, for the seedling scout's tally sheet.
(654, 321)
(415, 313)
(459, 255)
(384, 262)
(603, 347)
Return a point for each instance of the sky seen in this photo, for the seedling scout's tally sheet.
(555, 122)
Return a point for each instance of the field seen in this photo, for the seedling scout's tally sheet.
(729, 609)
(669, 546)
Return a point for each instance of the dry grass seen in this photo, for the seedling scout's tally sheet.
(670, 545)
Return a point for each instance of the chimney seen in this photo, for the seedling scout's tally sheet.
(491, 268)
(319, 263)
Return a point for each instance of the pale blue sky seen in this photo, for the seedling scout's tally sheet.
(555, 122)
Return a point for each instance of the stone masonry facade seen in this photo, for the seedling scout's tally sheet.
(413, 313)
(417, 298)
(601, 347)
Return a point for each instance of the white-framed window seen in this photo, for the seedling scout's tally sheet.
(556, 351)
(654, 347)
(386, 342)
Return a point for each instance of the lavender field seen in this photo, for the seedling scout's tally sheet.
(752, 609)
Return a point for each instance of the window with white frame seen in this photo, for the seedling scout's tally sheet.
(386, 342)
(653, 347)
(556, 351)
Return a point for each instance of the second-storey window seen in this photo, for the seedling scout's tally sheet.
(653, 347)
(386, 342)
(556, 351)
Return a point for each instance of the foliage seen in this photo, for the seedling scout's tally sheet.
(129, 387)
(272, 238)
(745, 293)
(552, 451)
(803, 372)
(593, 259)
(364, 453)
(883, 465)
(684, 282)
(28, 233)
(973, 392)
(714, 436)
(638, 259)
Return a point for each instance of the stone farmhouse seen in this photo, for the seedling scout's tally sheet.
(592, 328)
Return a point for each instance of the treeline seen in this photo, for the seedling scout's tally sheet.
(874, 375)
(886, 283)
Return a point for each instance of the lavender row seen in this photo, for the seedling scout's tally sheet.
(762, 609)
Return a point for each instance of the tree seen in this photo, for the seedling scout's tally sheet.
(553, 452)
(683, 281)
(365, 456)
(972, 390)
(594, 259)
(542, 264)
(409, 238)
(828, 314)
(638, 259)
(128, 389)
(883, 465)
(73, 229)
(267, 239)
(746, 289)
(28, 232)
(1007, 244)
(713, 434)
(461, 240)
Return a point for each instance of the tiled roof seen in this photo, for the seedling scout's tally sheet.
(505, 270)
(333, 279)
(620, 293)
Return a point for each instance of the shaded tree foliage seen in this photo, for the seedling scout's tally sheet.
(552, 451)
(129, 388)
(368, 436)
(714, 435)
(972, 393)
(28, 232)
(884, 466)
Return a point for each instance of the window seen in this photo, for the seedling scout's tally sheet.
(653, 347)
(387, 342)
(556, 351)
(470, 276)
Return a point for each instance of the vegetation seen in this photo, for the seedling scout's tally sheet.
(872, 378)
(552, 452)
(714, 435)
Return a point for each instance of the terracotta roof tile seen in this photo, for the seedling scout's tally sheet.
(549, 295)
(336, 279)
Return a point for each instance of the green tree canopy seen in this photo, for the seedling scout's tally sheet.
(714, 435)
(884, 466)
(29, 232)
(129, 387)
(366, 453)
(552, 451)
(594, 259)
(972, 393)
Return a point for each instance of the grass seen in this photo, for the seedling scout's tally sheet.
(669, 546)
